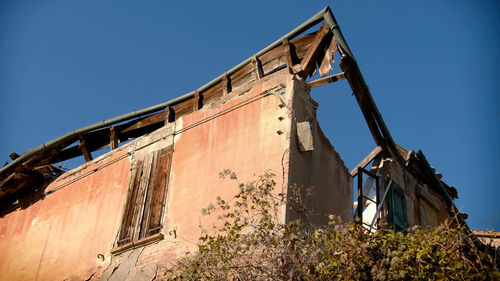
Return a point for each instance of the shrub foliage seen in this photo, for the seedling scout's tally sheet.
(252, 244)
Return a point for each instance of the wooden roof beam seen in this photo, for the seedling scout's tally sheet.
(259, 71)
(226, 84)
(367, 160)
(327, 80)
(309, 61)
(85, 150)
(113, 138)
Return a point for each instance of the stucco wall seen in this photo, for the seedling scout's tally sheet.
(322, 170)
(62, 235)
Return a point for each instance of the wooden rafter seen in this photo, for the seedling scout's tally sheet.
(329, 49)
(85, 150)
(292, 52)
(198, 101)
(367, 160)
(259, 72)
(143, 122)
(113, 138)
(45, 157)
(288, 56)
(226, 84)
(309, 61)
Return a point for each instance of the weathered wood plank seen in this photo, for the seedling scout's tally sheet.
(302, 44)
(148, 197)
(133, 191)
(158, 186)
(309, 61)
(141, 197)
(17, 180)
(198, 101)
(169, 115)
(326, 80)
(243, 76)
(142, 122)
(257, 64)
(184, 108)
(226, 84)
(288, 56)
(212, 94)
(85, 150)
(45, 157)
(325, 65)
(367, 160)
(113, 138)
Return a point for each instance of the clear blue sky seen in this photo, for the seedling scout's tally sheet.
(432, 66)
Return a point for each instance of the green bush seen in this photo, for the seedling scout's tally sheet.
(251, 244)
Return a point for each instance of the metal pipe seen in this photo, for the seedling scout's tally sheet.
(334, 27)
(332, 23)
(290, 35)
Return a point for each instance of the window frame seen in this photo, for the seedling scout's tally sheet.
(143, 215)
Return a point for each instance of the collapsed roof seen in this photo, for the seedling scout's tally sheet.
(302, 54)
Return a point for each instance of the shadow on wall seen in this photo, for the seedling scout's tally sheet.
(23, 198)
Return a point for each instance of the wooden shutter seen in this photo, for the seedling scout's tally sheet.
(160, 172)
(126, 227)
(397, 207)
(141, 201)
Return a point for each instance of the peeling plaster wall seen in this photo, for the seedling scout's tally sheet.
(321, 169)
(61, 236)
(245, 140)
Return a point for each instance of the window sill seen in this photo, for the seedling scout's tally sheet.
(137, 244)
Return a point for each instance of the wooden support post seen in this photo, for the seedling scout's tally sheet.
(198, 101)
(113, 138)
(226, 84)
(85, 151)
(169, 115)
(288, 56)
(259, 72)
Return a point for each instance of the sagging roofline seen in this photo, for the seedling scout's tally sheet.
(370, 111)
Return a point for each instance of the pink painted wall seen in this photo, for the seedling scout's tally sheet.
(61, 235)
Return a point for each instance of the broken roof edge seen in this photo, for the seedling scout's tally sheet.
(382, 137)
(324, 14)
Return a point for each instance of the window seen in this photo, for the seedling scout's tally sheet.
(142, 217)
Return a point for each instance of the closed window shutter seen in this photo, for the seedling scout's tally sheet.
(397, 206)
(147, 191)
(142, 196)
(152, 222)
(126, 229)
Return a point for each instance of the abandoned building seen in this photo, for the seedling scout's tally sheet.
(123, 214)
